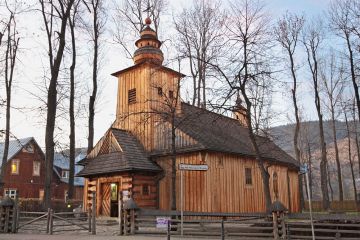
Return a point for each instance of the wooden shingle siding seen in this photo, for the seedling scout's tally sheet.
(224, 189)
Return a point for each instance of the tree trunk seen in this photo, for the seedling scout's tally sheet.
(260, 162)
(71, 110)
(52, 97)
(310, 169)
(297, 125)
(10, 60)
(173, 160)
(349, 156)
(94, 80)
(329, 181)
(7, 138)
(353, 74)
(337, 158)
(313, 65)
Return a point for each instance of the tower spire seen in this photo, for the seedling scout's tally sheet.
(148, 45)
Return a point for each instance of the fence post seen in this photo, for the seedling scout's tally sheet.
(168, 232)
(89, 218)
(222, 230)
(121, 217)
(125, 222)
(14, 215)
(283, 226)
(17, 218)
(7, 219)
(132, 221)
(93, 214)
(51, 221)
(48, 220)
(275, 226)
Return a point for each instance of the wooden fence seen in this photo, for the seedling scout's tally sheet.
(13, 220)
(335, 206)
(244, 225)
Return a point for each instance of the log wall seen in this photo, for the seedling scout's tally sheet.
(133, 183)
(222, 188)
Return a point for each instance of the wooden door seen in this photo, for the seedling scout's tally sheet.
(105, 203)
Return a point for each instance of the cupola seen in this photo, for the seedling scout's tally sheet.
(148, 46)
(239, 112)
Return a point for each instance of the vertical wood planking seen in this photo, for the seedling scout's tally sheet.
(223, 189)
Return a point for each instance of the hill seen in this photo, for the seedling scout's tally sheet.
(283, 136)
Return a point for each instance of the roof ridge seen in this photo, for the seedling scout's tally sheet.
(214, 113)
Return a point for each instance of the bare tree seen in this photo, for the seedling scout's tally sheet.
(312, 40)
(55, 14)
(129, 20)
(98, 14)
(200, 39)
(346, 108)
(287, 33)
(332, 78)
(249, 65)
(12, 45)
(72, 23)
(341, 21)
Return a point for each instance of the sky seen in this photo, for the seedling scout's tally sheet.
(28, 121)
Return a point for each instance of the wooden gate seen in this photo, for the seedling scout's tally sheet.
(105, 201)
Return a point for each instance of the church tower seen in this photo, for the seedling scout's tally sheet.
(145, 89)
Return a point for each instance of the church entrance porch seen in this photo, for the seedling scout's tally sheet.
(141, 187)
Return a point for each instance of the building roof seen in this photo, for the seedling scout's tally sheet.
(216, 132)
(132, 157)
(115, 74)
(15, 146)
(62, 162)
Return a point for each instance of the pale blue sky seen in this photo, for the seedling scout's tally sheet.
(26, 123)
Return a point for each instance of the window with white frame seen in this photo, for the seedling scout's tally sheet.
(11, 193)
(36, 168)
(15, 164)
(65, 174)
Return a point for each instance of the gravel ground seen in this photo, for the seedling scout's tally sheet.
(22, 236)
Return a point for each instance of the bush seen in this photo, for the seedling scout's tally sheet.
(36, 205)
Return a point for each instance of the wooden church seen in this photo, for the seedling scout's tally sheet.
(134, 155)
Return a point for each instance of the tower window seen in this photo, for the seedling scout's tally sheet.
(132, 96)
(171, 94)
(160, 91)
(248, 176)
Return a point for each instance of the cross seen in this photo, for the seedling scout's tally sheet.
(148, 8)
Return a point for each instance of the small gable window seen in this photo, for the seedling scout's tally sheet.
(220, 162)
(36, 168)
(65, 174)
(15, 164)
(28, 148)
(171, 94)
(248, 176)
(275, 185)
(145, 189)
(132, 96)
(160, 91)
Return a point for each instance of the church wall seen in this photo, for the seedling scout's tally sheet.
(222, 188)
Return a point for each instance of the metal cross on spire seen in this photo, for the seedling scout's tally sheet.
(148, 8)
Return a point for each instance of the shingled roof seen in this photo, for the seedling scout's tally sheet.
(216, 132)
(132, 157)
(15, 147)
